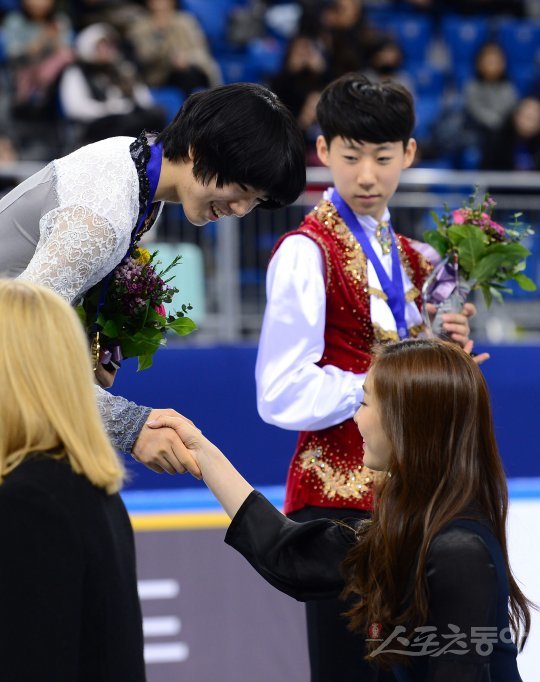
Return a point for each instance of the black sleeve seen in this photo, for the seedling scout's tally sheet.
(463, 592)
(301, 559)
(40, 589)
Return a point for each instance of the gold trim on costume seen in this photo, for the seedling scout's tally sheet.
(95, 346)
(382, 335)
(377, 292)
(355, 260)
(412, 294)
(352, 484)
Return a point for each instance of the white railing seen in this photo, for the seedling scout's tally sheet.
(236, 252)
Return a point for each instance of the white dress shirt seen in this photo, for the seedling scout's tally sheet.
(293, 392)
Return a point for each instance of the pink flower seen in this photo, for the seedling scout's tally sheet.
(160, 310)
(498, 228)
(458, 216)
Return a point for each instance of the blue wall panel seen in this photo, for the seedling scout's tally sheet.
(215, 387)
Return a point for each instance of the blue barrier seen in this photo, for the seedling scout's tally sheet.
(215, 387)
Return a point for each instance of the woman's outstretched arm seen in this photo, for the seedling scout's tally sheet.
(228, 485)
(302, 560)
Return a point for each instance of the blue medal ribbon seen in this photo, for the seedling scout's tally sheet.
(153, 171)
(393, 288)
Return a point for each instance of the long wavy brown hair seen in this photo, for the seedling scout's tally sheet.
(435, 409)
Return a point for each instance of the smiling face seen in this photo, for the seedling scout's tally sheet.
(366, 174)
(206, 203)
(203, 203)
(377, 446)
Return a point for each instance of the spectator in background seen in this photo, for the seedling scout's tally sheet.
(37, 42)
(477, 7)
(343, 29)
(489, 96)
(171, 49)
(118, 13)
(515, 8)
(385, 62)
(517, 145)
(8, 156)
(101, 90)
(299, 84)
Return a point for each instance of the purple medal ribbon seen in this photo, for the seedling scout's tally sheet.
(393, 288)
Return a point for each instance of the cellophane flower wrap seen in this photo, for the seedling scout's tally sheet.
(477, 253)
(132, 320)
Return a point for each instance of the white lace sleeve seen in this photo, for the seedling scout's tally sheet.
(123, 419)
(76, 249)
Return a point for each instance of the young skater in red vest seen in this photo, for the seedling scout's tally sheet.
(339, 283)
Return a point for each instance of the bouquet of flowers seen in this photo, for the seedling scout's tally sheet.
(132, 321)
(477, 253)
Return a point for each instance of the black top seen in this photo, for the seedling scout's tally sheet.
(467, 585)
(69, 609)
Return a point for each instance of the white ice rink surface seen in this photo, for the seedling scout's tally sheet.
(524, 550)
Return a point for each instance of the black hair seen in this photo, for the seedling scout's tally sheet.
(354, 108)
(240, 133)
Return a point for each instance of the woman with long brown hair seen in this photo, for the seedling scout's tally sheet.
(435, 592)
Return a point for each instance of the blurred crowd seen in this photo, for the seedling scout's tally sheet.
(76, 72)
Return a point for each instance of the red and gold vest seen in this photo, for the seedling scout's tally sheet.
(326, 469)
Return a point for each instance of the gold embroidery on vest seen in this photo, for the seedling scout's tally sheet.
(355, 259)
(353, 484)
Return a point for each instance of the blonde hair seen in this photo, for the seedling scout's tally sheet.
(47, 394)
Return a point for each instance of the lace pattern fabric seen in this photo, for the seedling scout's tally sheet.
(87, 234)
(84, 238)
(76, 249)
(123, 419)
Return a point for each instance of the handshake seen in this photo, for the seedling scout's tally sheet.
(170, 443)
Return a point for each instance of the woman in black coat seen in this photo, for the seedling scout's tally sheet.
(69, 608)
(430, 571)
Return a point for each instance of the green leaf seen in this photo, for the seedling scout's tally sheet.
(109, 328)
(145, 361)
(81, 313)
(148, 334)
(182, 326)
(491, 293)
(437, 241)
(470, 253)
(457, 233)
(140, 344)
(510, 251)
(525, 282)
(488, 295)
(487, 267)
(435, 219)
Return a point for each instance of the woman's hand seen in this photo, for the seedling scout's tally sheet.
(161, 449)
(192, 438)
(230, 488)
